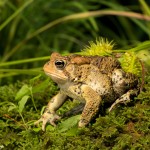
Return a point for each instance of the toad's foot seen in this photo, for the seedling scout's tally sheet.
(47, 117)
(126, 98)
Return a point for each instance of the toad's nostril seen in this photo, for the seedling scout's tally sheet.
(48, 62)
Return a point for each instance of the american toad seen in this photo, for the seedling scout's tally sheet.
(92, 79)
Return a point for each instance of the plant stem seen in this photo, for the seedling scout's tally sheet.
(15, 14)
(24, 61)
(75, 17)
(23, 120)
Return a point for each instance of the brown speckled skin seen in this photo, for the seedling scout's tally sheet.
(90, 79)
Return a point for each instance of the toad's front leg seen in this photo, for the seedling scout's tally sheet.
(50, 115)
(93, 101)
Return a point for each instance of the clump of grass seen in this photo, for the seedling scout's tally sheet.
(101, 47)
(131, 63)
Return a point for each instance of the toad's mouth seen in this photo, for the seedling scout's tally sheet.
(56, 76)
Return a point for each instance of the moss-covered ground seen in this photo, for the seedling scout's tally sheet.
(126, 127)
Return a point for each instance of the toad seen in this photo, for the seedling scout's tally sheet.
(91, 79)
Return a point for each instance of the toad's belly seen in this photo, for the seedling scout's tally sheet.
(75, 91)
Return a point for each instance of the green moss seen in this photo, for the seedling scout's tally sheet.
(126, 127)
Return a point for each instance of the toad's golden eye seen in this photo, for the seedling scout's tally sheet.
(60, 64)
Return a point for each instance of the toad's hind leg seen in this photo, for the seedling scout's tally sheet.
(93, 101)
(125, 98)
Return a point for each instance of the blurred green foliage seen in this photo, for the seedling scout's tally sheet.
(21, 19)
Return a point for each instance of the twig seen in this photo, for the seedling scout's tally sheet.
(143, 75)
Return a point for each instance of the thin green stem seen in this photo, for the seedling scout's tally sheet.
(24, 61)
(15, 14)
(12, 72)
(142, 46)
(32, 98)
(28, 71)
(83, 15)
(8, 74)
(23, 120)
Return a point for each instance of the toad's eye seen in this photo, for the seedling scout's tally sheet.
(60, 64)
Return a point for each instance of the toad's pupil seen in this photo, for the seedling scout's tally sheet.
(59, 64)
